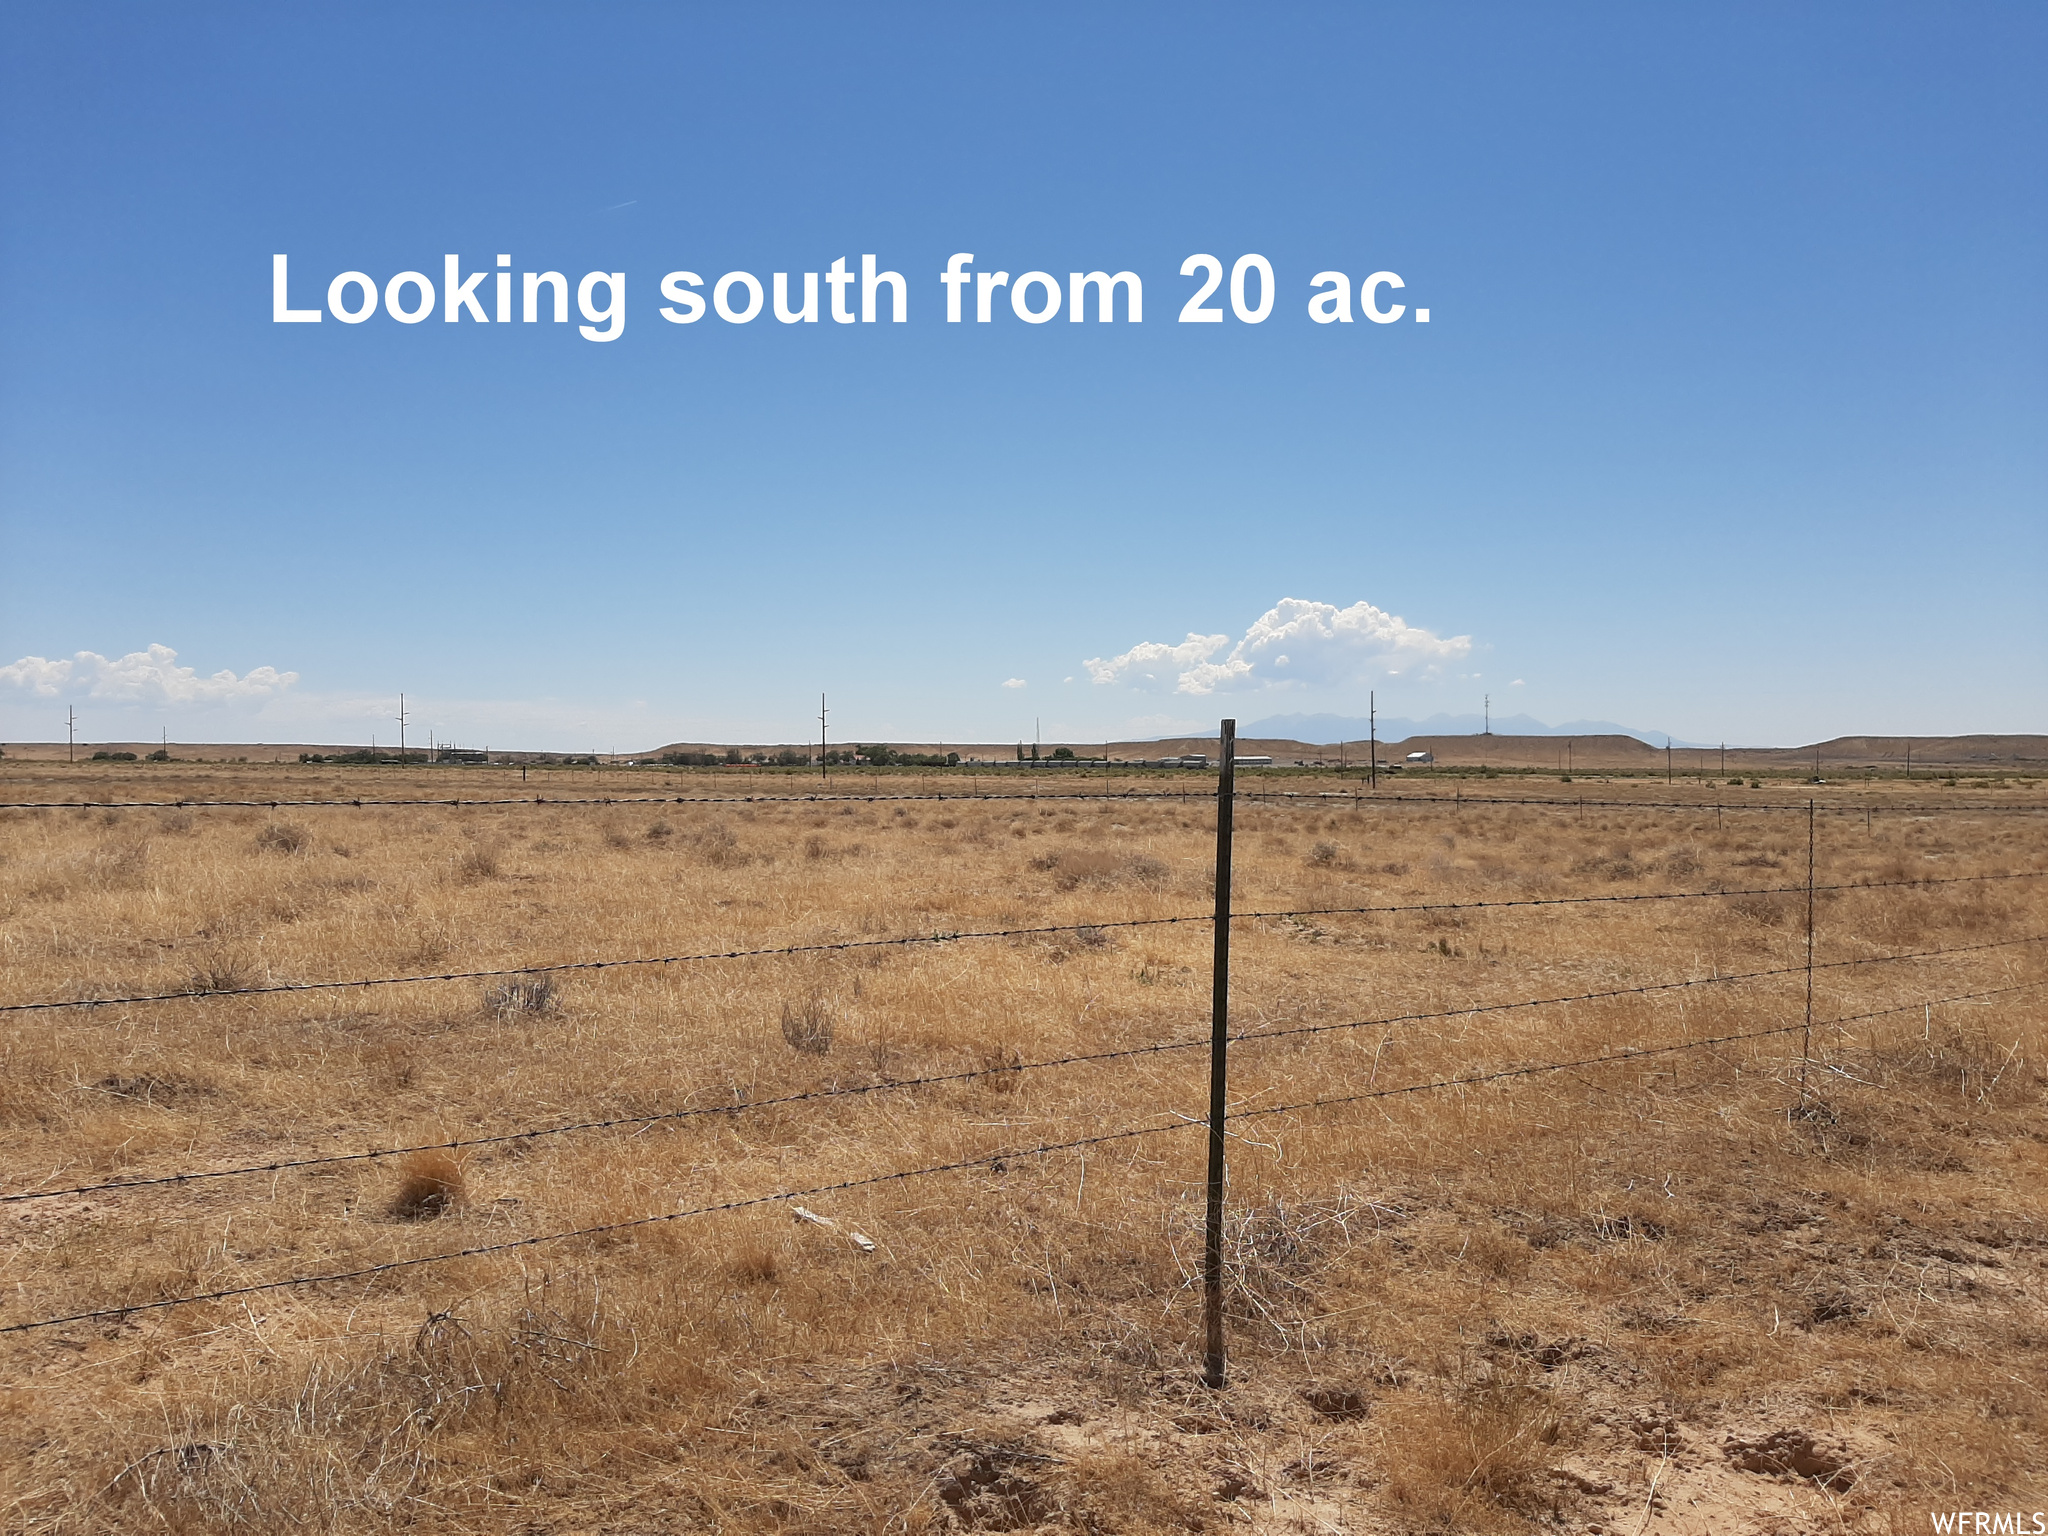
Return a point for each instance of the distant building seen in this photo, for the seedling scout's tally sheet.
(1421, 757)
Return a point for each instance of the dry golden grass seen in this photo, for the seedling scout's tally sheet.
(1645, 1296)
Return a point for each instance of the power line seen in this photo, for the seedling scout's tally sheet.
(285, 1165)
(948, 937)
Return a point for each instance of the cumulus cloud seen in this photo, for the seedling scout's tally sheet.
(1296, 643)
(1153, 661)
(1013, 682)
(140, 677)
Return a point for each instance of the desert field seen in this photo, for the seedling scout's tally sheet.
(1776, 1283)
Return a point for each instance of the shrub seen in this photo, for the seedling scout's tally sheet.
(477, 863)
(1071, 867)
(524, 995)
(717, 846)
(283, 837)
(807, 1026)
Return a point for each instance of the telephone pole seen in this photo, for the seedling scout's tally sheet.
(1372, 738)
(1486, 718)
(822, 712)
(70, 734)
(401, 727)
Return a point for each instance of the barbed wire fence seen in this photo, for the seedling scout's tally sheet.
(1218, 1041)
(1357, 795)
(950, 936)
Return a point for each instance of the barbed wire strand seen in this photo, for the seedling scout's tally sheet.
(1629, 1055)
(992, 1159)
(286, 1165)
(371, 803)
(190, 994)
(996, 1159)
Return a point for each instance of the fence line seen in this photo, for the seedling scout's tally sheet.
(948, 937)
(1566, 803)
(1352, 797)
(660, 1117)
(813, 798)
(1632, 1054)
(995, 1159)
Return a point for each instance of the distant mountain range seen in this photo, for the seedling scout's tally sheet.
(1327, 730)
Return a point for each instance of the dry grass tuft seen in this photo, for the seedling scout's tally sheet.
(719, 847)
(523, 997)
(430, 1185)
(1474, 1457)
(1072, 867)
(756, 1264)
(807, 1025)
(283, 837)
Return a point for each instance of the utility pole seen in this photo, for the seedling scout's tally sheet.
(1724, 759)
(1567, 759)
(1909, 757)
(70, 734)
(821, 737)
(1372, 738)
(1667, 757)
(1486, 718)
(401, 728)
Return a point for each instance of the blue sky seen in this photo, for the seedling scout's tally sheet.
(1727, 419)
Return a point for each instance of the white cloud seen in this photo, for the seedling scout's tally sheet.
(1144, 663)
(1013, 682)
(140, 677)
(1296, 643)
